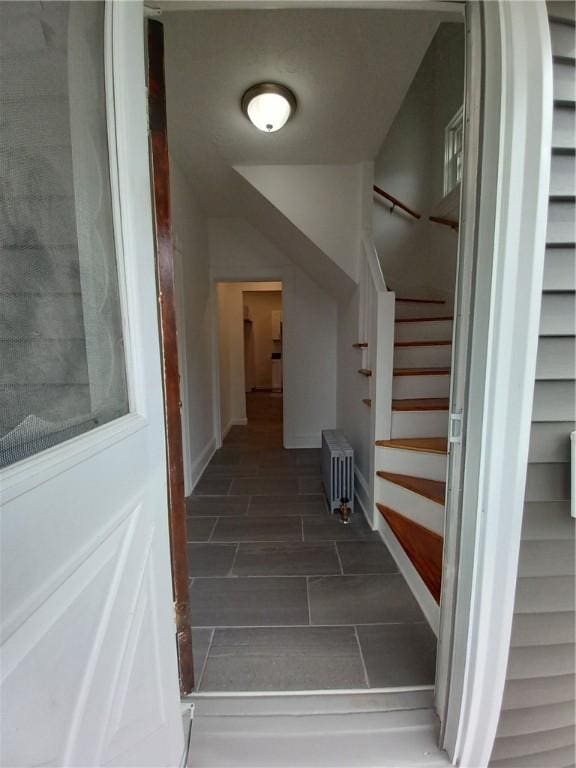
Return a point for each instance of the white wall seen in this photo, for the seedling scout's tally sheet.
(193, 308)
(258, 332)
(418, 257)
(323, 201)
(353, 414)
(231, 356)
(240, 253)
(231, 349)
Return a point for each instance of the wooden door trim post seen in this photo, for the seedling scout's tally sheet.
(169, 345)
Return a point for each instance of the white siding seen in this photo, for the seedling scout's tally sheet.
(536, 725)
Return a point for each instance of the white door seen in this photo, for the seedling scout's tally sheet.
(88, 669)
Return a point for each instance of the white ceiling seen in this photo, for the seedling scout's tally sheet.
(349, 70)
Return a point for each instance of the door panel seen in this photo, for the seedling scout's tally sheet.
(89, 668)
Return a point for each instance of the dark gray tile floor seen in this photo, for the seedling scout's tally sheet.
(284, 597)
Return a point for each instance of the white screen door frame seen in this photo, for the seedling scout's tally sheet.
(89, 669)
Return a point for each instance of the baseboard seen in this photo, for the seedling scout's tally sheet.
(429, 606)
(197, 468)
(233, 423)
(362, 495)
(313, 440)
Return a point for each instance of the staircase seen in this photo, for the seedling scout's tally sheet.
(410, 466)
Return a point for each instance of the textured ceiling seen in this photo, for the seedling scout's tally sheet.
(349, 70)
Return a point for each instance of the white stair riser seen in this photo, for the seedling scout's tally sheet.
(421, 386)
(423, 357)
(425, 331)
(421, 310)
(419, 424)
(411, 505)
(431, 466)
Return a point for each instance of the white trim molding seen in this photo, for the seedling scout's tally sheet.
(198, 466)
(511, 234)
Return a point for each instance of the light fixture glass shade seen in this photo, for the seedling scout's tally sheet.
(268, 106)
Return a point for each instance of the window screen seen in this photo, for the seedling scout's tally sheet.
(62, 361)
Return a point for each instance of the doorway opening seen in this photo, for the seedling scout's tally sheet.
(283, 597)
(250, 360)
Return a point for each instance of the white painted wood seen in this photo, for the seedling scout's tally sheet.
(431, 466)
(421, 386)
(511, 238)
(423, 356)
(386, 739)
(89, 670)
(420, 591)
(419, 423)
(423, 330)
(313, 702)
(423, 511)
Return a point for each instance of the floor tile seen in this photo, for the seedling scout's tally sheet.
(291, 499)
(329, 528)
(225, 456)
(212, 486)
(244, 602)
(217, 506)
(361, 600)
(289, 470)
(286, 560)
(283, 659)
(365, 557)
(283, 458)
(265, 486)
(210, 559)
(310, 484)
(200, 528)
(257, 528)
(398, 654)
(308, 455)
(273, 508)
(231, 470)
(201, 639)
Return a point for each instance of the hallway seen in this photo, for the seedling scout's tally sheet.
(283, 596)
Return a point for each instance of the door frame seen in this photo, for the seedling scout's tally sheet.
(216, 393)
(504, 232)
(504, 217)
(165, 268)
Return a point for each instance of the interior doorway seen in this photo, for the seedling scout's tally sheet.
(250, 359)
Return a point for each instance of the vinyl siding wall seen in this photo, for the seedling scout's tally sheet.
(536, 725)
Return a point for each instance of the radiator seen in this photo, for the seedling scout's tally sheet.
(337, 468)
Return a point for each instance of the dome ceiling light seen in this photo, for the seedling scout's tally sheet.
(268, 106)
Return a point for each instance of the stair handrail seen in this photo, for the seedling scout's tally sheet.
(452, 223)
(396, 203)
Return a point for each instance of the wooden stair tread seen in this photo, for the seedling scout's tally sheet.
(360, 345)
(367, 401)
(435, 490)
(421, 371)
(409, 300)
(365, 371)
(423, 547)
(422, 319)
(419, 444)
(421, 404)
(442, 343)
